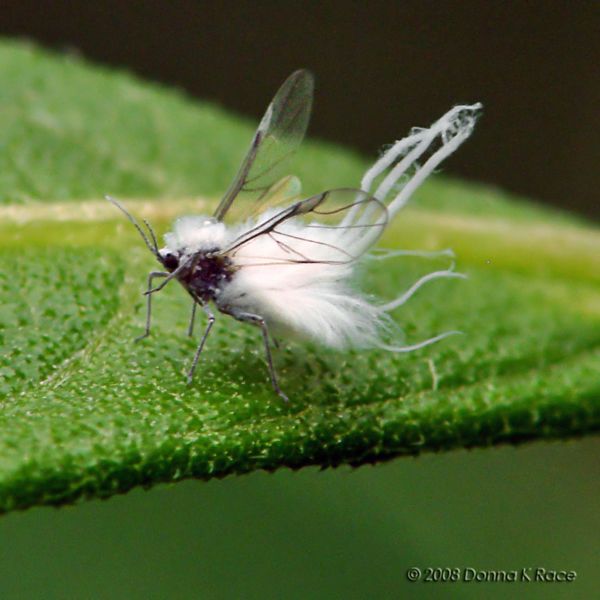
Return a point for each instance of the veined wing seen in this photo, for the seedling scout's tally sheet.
(280, 195)
(279, 134)
(314, 230)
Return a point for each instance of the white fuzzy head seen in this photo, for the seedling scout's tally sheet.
(195, 234)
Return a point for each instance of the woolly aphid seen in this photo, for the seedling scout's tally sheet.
(284, 263)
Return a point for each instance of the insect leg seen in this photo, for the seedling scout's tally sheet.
(260, 322)
(211, 320)
(192, 319)
(153, 275)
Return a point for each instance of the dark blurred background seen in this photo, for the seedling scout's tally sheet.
(381, 68)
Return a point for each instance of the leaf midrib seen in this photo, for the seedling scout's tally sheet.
(564, 237)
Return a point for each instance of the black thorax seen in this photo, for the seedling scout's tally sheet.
(207, 274)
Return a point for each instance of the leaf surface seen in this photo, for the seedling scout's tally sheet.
(86, 412)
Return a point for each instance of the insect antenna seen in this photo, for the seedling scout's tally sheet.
(152, 236)
(152, 247)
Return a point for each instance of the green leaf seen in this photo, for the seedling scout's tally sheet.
(85, 412)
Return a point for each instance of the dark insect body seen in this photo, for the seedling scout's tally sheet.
(205, 275)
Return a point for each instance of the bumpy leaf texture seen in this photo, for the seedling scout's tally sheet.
(86, 412)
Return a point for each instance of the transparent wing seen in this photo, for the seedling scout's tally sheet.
(279, 133)
(314, 230)
(280, 195)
